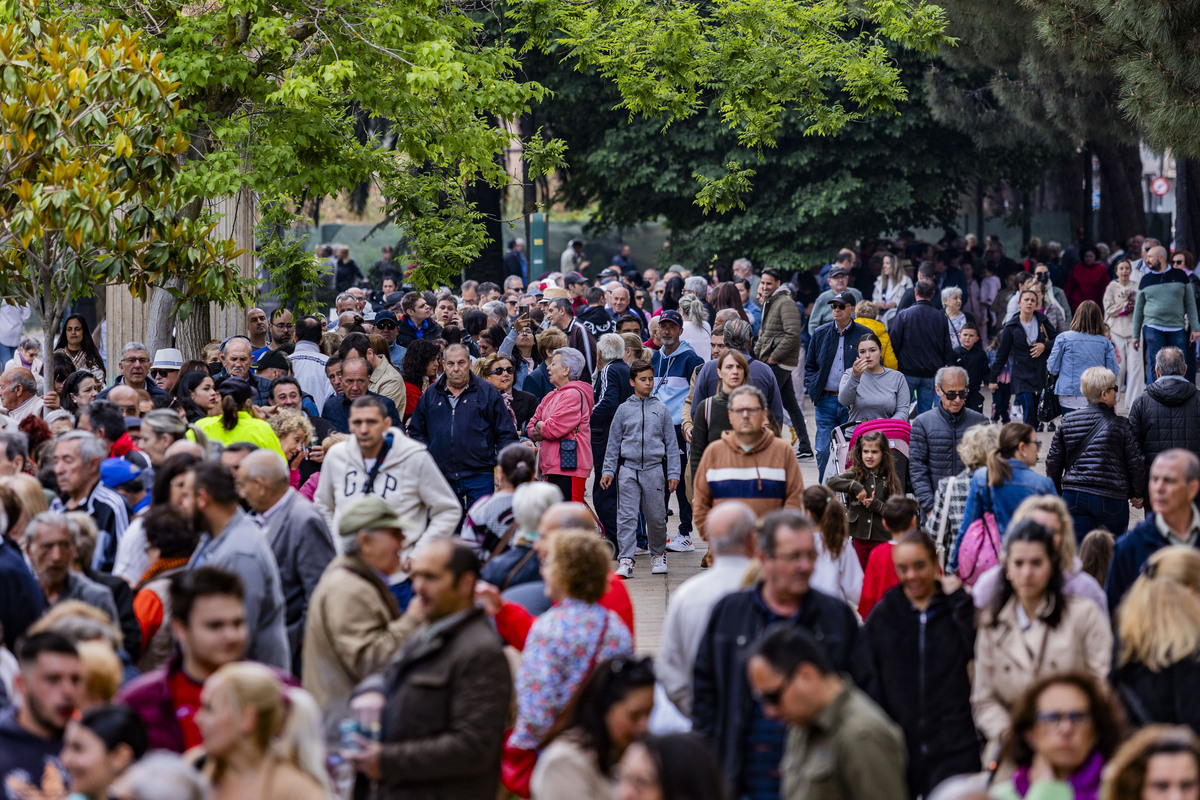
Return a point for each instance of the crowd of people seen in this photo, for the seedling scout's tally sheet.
(385, 551)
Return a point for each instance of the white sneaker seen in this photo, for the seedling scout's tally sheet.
(681, 544)
(625, 570)
(658, 565)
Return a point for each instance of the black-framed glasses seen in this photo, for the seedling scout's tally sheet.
(744, 412)
(386, 326)
(954, 395)
(1113, 389)
(837, 306)
(161, 373)
(774, 697)
(503, 371)
(287, 326)
(1180, 262)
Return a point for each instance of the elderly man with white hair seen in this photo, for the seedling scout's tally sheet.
(19, 394)
(77, 458)
(936, 434)
(135, 371)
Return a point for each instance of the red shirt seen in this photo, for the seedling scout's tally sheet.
(185, 696)
(879, 577)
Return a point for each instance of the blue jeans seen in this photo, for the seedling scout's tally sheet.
(830, 414)
(1029, 402)
(6, 354)
(1156, 340)
(923, 388)
(1090, 511)
(470, 488)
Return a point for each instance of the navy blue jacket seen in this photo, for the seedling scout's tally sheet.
(610, 387)
(21, 599)
(921, 338)
(819, 359)
(337, 411)
(537, 383)
(407, 333)
(463, 439)
(1130, 555)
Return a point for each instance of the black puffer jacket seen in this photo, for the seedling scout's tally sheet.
(1111, 464)
(1166, 415)
(1028, 373)
(921, 660)
(933, 449)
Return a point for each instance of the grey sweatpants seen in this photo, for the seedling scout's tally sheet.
(644, 490)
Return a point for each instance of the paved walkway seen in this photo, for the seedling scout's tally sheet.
(650, 593)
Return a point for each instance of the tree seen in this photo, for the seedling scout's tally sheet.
(90, 186)
(809, 195)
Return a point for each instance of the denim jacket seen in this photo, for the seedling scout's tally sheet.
(1002, 500)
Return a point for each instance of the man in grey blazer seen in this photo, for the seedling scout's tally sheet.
(296, 531)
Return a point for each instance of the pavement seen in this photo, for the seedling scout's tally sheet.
(651, 593)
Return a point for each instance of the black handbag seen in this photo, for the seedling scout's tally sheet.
(1050, 409)
(568, 449)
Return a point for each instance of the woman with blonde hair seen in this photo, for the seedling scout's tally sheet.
(262, 739)
(294, 432)
(1157, 673)
(635, 348)
(696, 330)
(30, 499)
(1050, 512)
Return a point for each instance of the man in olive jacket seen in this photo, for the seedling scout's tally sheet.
(779, 346)
(444, 700)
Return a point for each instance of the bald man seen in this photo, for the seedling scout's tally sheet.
(296, 532)
(731, 539)
(18, 393)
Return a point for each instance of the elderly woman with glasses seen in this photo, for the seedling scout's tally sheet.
(499, 370)
(1095, 460)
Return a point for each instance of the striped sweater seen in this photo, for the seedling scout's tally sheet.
(765, 478)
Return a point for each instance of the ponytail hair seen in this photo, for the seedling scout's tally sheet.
(1012, 436)
(518, 463)
(822, 505)
(229, 412)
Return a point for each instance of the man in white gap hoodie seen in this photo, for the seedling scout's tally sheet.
(408, 479)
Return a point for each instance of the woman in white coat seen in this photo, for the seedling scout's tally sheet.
(890, 286)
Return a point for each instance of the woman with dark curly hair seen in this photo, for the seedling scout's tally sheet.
(1065, 727)
(420, 367)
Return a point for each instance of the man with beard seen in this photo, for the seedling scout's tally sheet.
(49, 686)
(233, 541)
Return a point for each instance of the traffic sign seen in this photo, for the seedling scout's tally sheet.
(1160, 186)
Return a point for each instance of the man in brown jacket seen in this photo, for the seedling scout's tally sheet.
(444, 700)
(779, 347)
(841, 746)
(354, 625)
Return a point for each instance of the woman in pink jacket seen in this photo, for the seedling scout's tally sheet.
(561, 425)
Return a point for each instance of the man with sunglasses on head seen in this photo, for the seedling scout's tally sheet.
(933, 446)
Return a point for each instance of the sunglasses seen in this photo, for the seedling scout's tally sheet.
(1112, 389)
(386, 326)
(775, 696)
(954, 395)
(502, 371)
(161, 373)
(837, 306)
(1179, 262)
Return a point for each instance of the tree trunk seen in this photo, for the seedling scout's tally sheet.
(1187, 205)
(1122, 210)
(489, 265)
(194, 332)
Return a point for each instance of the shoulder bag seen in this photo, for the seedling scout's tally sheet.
(568, 449)
(517, 763)
(980, 548)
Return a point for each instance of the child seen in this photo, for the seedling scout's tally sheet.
(1003, 393)
(971, 357)
(641, 441)
(869, 482)
(899, 517)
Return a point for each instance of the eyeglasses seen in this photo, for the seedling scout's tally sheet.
(1055, 718)
(1113, 389)
(511, 302)
(287, 326)
(133, 360)
(161, 373)
(774, 696)
(386, 326)
(503, 371)
(1179, 262)
(954, 395)
(837, 306)
(744, 412)
(1034, 443)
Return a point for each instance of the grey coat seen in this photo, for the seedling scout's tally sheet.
(933, 449)
(96, 595)
(303, 549)
(639, 436)
(243, 550)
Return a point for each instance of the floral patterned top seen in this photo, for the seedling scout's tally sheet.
(560, 647)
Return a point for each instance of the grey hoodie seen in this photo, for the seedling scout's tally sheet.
(643, 435)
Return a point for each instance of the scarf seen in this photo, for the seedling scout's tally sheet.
(158, 568)
(508, 398)
(1085, 783)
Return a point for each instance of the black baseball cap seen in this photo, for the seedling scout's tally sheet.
(843, 298)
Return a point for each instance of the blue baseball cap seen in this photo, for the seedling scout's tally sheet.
(672, 317)
(116, 472)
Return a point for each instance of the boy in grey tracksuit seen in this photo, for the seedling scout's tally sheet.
(641, 441)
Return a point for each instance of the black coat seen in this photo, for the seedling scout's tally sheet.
(721, 701)
(933, 449)
(921, 338)
(1166, 415)
(1028, 373)
(1111, 465)
(1170, 696)
(921, 660)
(131, 629)
(464, 439)
(822, 348)
(523, 405)
(975, 362)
